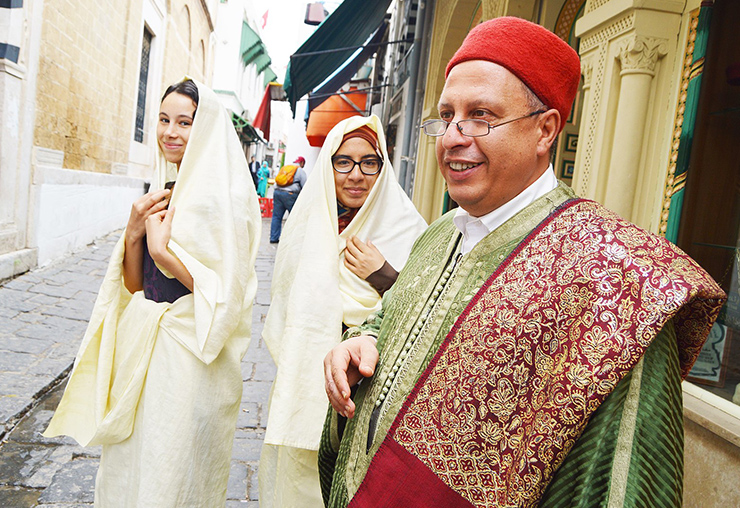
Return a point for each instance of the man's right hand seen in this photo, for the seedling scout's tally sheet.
(344, 366)
(148, 204)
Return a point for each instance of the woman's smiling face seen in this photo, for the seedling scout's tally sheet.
(173, 128)
(353, 188)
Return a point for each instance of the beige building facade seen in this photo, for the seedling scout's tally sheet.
(78, 110)
(653, 144)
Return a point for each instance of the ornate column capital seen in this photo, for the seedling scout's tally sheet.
(493, 9)
(592, 5)
(639, 54)
(587, 71)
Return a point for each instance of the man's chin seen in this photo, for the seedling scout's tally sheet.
(462, 200)
(475, 207)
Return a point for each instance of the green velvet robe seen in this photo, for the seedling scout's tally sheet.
(631, 452)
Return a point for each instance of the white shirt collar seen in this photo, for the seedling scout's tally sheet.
(474, 229)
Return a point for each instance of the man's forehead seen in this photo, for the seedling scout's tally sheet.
(480, 83)
(470, 101)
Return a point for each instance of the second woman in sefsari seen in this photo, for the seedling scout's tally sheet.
(350, 231)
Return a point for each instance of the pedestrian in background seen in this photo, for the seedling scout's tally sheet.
(157, 380)
(351, 229)
(289, 181)
(254, 168)
(263, 174)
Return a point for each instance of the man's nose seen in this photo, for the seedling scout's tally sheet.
(453, 137)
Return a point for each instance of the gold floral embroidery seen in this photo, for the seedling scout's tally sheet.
(543, 345)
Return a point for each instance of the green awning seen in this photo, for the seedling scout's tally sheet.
(262, 62)
(253, 50)
(250, 41)
(238, 121)
(245, 130)
(268, 77)
(337, 38)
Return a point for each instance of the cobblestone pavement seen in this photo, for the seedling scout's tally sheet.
(43, 315)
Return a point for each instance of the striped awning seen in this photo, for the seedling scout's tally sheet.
(253, 50)
(331, 45)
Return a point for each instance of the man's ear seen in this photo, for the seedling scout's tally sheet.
(549, 129)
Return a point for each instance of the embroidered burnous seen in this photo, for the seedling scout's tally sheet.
(539, 348)
(416, 330)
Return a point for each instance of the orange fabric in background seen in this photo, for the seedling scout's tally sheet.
(329, 113)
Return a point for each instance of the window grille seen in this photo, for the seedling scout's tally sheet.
(143, 78)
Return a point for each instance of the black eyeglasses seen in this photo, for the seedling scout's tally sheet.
(344, 164)
(473, 128)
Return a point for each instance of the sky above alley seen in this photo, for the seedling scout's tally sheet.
(284, 30)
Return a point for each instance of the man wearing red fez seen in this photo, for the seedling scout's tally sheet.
(531, 351)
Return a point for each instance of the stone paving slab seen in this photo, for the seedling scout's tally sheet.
(37, 348)
(73, 482)
(43, 319)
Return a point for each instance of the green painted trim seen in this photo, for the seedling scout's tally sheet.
(689, 122)
(475, 11)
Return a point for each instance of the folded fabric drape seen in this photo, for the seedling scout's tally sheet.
(151, 374)
(313, 292)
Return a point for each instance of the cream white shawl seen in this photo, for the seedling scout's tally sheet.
(215, 233)
(313, 292)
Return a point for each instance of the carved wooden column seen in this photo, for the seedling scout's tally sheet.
(638, 57)
(587, 71)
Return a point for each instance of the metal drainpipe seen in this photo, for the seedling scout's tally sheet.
(404, 176)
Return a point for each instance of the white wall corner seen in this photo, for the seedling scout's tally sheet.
(12, 68)
(17, 262)
(48, 157)
(119, 169)
(72, 208)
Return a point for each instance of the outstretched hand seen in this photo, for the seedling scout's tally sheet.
(362, 259)
(344, 366)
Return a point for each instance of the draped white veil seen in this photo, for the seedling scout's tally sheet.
(313, 292)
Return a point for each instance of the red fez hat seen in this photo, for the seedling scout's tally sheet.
(539, 58)
(300, 160)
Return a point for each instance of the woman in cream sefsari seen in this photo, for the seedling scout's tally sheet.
(157, 379)
(348, 227)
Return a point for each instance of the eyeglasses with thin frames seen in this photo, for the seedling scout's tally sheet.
(472, 128)
(368, 167)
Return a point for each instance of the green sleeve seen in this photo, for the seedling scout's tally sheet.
(371, 326)
(631, 452)
(334, 423)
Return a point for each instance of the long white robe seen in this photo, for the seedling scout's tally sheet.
(313, 293)
(159, 384)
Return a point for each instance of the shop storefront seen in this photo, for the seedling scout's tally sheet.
(654, 137)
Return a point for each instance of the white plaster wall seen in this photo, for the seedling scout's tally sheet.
(297, 143)
(10, 100)
(229, 74)
(226, 64)
(72, 208)
(142, 155)
(22, 26)
(11, 26)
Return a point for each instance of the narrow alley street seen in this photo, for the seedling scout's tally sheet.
(43, 316)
